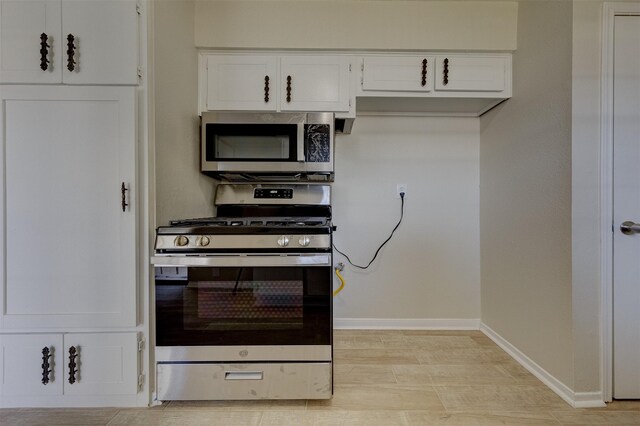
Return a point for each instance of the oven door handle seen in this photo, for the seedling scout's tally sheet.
(243, 260)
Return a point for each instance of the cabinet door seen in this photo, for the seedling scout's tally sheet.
(237, 82)
(314, 83)
(23, 364)
(106, 41)
(398, 73)
(470, 73)
(21, 25)
(68, 256)
(106, 364)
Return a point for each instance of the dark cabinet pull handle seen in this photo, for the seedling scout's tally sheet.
(445, 72)
(266, 88)
(123, 193)
(288, 88)
(72, 364)
(71, 48)
(44, 52)
(45, 365)
(424, 72)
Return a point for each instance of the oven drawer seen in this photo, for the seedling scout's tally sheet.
(213, 381)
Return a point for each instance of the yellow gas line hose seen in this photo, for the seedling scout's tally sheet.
(339, 268)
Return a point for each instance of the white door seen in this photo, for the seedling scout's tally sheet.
(22, 24)
(105, 36)
(239, 82)
(626, 269)
(24, 365)
(105, 364)
(314, 83)
(67, 257)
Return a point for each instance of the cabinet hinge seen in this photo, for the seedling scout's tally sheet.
(362, 67)
(141, 344)
(140, 381)
(349, 67)
(139, 8)
(140, 73)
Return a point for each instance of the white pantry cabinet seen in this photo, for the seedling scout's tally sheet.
(68, 252)
(247, 82)
(69, 41)
(54, 365)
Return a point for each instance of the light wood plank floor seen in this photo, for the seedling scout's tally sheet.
(381, 378)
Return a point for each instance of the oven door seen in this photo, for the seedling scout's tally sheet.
(268, 301)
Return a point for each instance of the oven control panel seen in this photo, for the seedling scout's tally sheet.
(194, 243)
(282, 193)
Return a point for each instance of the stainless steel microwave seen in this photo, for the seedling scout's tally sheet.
(268, 146)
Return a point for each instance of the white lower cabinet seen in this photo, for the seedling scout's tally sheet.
(73, 364)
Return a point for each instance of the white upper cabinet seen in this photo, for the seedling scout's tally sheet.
(246, 82)
(66, 154)
(397, 73)
(69, 41)
(238, 82)
(471, 73)
(29, 32)
(105, 39)
(314, 83)
(460, 84)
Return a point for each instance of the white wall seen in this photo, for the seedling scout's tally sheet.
(181, 190)
(430, 269)
(525, 195)
(356, 24)
(587, 41)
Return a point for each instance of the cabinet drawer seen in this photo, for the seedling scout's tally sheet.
(470, 73)
(244, 381)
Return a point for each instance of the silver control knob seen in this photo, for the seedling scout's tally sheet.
(181, 241)
(304, 241)
(204, 241)
(283, 241)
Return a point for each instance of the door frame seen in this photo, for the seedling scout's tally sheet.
(610, 11)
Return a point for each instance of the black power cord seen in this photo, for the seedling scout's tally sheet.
(381, 245)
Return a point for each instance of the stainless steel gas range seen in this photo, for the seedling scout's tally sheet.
(244, 299)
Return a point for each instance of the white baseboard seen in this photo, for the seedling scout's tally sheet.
(406, 324)
(575, 399)
(588, 400)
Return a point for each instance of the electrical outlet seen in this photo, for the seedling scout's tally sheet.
(402, 187)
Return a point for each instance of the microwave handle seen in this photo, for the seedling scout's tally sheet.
(301, 156)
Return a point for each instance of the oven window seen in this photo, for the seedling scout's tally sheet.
(243, 306)
(251, 142)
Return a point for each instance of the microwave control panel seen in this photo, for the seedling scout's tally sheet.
(283, 193)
